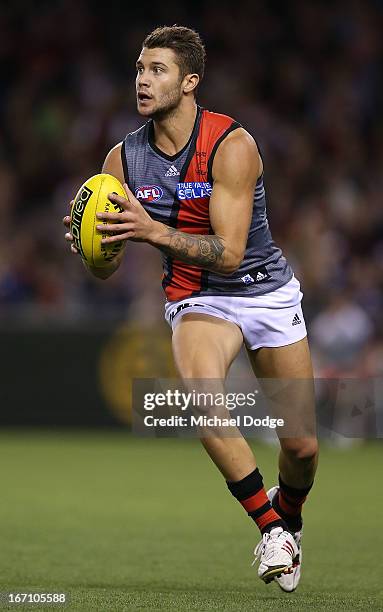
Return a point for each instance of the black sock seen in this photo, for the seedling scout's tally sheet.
(251, 494)
(288, 504)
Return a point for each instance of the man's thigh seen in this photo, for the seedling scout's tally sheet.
(205, 346)
(286, 376)
(290, 361)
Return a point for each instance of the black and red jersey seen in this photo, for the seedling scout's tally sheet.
(176, 190)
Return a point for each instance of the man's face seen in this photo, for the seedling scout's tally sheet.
(158, 82)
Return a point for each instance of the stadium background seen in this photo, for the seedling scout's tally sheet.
(305, 79)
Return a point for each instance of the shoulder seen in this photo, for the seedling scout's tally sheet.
(218, 120)
(231, 143)
(115, 151)
(113, 163)
(238, 151)
(238, 141)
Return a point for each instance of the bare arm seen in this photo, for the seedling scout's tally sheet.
(197, 249)
(235, 171)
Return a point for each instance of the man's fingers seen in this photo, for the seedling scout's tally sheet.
(68, 235)
(112, 217)
(110, 239)
(124, 202)
(115, 227)
(129, 193)
(66, 219)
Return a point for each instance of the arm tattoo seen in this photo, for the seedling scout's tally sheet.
(199, 250)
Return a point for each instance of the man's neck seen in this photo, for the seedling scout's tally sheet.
(172, 133)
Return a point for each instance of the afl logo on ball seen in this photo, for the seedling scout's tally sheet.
(149, 193)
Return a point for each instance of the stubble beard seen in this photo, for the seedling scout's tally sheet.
(167, 105)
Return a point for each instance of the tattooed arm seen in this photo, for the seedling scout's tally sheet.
(200, 250)
(236, 168)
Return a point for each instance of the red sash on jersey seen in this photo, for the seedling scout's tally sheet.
(182, 279)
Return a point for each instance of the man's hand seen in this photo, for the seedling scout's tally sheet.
(102, 273)
(68, 235)
(132, 224)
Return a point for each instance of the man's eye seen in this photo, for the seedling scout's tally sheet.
(156, 69)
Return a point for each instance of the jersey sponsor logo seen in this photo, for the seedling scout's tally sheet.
(193, 191)
(149, 193)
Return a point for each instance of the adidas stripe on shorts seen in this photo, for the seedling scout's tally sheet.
(273, 319)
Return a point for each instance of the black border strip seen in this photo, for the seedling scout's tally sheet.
(260, 154)
(235, 125)
(124, 162)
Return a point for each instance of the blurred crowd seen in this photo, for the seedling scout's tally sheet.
(303, 77)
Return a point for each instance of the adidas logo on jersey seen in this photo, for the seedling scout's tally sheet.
(172, 171)
(296, 319)
(260, 276)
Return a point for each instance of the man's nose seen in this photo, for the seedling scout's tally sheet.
(143, 79)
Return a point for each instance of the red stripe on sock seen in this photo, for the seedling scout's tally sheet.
(289, 508)
(269, 517)
(255, 501)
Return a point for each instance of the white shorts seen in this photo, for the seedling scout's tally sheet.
(273, 319)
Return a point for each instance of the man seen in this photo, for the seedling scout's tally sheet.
(199, 198)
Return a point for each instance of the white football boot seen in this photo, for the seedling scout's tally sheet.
(288, 581)
(276, 552)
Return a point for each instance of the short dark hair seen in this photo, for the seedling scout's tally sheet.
(186, 44)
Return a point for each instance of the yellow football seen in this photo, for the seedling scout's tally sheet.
(92, 198)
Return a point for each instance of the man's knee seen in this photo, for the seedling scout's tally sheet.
(301, 449)
(199, 367)
(207, 395)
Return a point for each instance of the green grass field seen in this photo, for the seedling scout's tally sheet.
(126, 524)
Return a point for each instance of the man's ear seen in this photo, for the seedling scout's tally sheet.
(190, 82)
